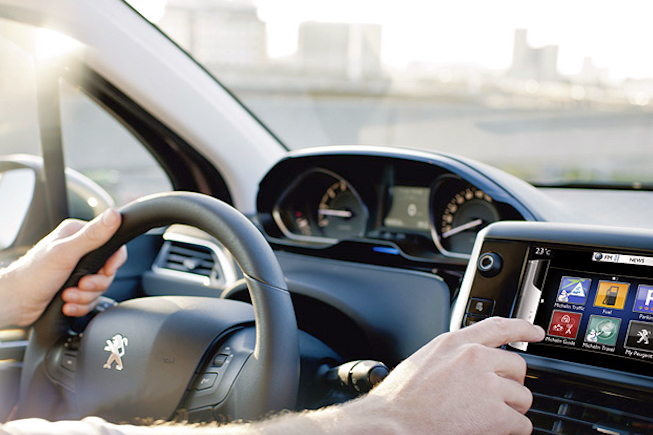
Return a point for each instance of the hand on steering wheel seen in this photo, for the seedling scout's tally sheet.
(46, 267)
(171, 338)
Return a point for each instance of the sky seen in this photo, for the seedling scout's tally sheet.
(615, 35)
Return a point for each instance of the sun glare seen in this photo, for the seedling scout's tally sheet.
(51, 44)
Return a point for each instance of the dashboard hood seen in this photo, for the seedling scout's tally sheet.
(531, 202)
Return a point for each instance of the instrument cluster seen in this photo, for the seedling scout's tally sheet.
(424, 210)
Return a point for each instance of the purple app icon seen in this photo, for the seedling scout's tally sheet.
(644, 299)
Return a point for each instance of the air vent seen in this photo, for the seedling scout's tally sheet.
(189, 258)
(565, 406)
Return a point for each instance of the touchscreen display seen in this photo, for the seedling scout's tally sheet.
(596, 307)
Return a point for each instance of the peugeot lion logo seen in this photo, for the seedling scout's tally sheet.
(117, 348)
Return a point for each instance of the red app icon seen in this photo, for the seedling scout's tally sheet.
(564, 324)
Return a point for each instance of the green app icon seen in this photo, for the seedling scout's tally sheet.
(602, 330)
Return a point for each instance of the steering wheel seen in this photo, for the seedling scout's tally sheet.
(158, 357)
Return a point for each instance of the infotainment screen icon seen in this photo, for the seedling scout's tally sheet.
(611, 294)
(573, 290)
(564, 324)
(644, 299)
(640, 336)
(602, 330)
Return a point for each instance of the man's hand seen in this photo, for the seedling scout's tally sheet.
(28, 285)
(459, 383)
(462, 383)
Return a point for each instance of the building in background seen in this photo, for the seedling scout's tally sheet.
(341, 50)
(224, 34)
(228, 36)
(530, 63)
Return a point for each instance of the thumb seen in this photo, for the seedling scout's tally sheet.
(95, 233)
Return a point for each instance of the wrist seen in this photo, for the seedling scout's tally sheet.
(370, 414)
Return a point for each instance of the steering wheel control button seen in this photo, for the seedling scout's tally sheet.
(72, 343)
(69, 362)
(489, 264)
(220, 360)
(206, 381)
(483, 307)
(470, 319)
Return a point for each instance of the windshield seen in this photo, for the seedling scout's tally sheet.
(553, 92)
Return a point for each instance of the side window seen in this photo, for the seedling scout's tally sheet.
(95, 143)
(19, 125)
(100, 147)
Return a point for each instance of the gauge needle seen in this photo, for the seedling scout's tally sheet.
(337, 213)
(461, 228)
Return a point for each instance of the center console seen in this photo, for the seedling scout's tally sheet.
(591, 289)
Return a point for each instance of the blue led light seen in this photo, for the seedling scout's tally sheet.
(385, 250)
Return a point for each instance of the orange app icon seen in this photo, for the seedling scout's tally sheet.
(611, 294)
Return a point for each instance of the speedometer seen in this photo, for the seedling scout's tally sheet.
(460, 211)
(467, 213)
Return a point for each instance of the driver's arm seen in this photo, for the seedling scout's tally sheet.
(459, 383)
(28, 284)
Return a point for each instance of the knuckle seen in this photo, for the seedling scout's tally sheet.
(494, 382)
(448, 340)
(495, 385)
(86, 308)
(501, 327)
(124, 255)
(517, 364)
(93, 233)
(67, 227)
(102, 284)
(57, 249)
(108, 282)
(522, 401)
(489, 384)
(528, 399)
(69, 295)
(521, 364)
(471, 353)
(64, 225)
(499, 413)
(90, 297)
(526, 426)
(497, 323)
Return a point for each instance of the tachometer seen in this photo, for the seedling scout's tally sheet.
(321, 206)
(341, 212)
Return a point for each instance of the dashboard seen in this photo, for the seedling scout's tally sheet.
(384, 249)
(425, 208)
